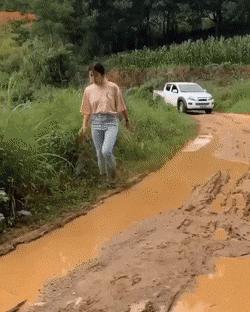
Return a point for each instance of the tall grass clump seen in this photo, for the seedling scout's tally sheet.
(235, 50)
(39, 152)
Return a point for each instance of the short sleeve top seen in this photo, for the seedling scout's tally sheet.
(104, 99)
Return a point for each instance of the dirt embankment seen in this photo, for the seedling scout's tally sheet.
(8, 17)
(222, 74)
(148, 267)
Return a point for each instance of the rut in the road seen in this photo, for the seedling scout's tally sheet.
(150, 266)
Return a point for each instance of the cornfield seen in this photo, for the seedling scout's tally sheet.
(234, 50)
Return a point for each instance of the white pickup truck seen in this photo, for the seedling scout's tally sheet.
(186, 96)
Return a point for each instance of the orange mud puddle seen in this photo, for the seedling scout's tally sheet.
(225, 291)
(24, 271)
(220, 235)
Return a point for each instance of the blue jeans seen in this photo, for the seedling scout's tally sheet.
(104, 128)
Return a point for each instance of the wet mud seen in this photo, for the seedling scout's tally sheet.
(157, 261)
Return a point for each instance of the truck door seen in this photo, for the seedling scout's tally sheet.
(174, 94)
(167, 93)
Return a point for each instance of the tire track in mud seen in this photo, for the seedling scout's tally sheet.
(149, 267)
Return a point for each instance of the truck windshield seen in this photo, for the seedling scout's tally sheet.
(190, 88)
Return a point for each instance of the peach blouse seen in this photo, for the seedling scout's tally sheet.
(105, 99)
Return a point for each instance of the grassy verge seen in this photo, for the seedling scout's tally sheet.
(232, 97)
(43, 168)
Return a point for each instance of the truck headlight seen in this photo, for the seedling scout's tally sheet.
(210, 98)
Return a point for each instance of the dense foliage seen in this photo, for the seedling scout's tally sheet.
(102, 27)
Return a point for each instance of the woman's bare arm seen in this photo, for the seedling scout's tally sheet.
(86, 119)
(125, 114)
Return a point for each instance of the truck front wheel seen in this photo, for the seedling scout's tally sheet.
(182, 107)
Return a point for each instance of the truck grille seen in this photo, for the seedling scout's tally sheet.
(202, 99)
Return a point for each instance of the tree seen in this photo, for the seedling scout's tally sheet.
(15, 5)
(167, 11)
(216, 10)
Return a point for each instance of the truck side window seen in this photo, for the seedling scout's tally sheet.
(168, 87)
(174, 89)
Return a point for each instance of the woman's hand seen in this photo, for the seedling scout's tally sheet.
(127, 124)
(83, 134)
(80, 135)
(125, 116)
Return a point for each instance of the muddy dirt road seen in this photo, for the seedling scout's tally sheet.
(197, 209)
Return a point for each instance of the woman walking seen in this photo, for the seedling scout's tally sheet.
(101, 104)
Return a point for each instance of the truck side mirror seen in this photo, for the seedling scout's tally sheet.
(175, 91)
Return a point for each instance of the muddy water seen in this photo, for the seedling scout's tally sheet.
(220, 235)
(227, 290)
(24, 271)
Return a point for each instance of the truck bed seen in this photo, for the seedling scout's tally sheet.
(157, 93)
